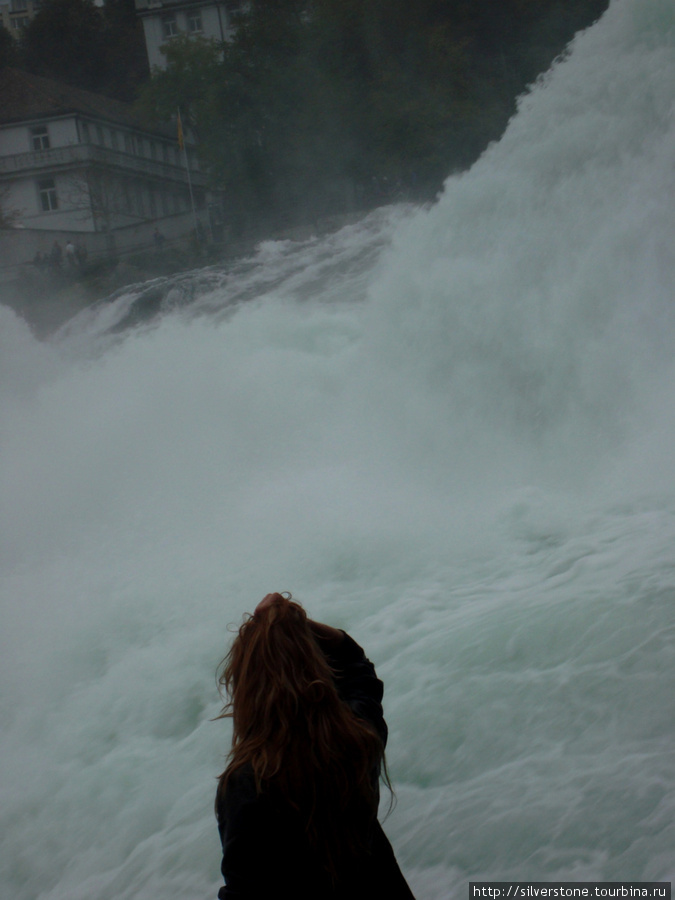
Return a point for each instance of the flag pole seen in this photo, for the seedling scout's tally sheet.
(181, 145)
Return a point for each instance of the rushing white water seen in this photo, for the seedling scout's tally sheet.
(449, 431)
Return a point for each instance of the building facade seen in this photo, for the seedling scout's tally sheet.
(165, 19)
(16, 14)
(78, 162)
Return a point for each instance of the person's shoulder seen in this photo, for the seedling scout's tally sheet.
(238, 792)
(241, 781)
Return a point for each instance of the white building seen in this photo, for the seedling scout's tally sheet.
(165, 19)
(16, 14)
(76, 162)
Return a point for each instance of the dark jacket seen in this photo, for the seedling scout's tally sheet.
(265, 851)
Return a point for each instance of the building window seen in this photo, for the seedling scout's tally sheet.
(113, 139)
(19, 6)
(40, 137)
(195, 21)
(19, 22)
(169, 26)
(48, 199)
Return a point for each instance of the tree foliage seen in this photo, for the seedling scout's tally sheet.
(322, 104)
(187, 83)
(64, 41)
(125, 59)
(97, 48)
(8, 213)
(9, 49)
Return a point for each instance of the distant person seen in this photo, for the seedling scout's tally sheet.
(70, 255)
(297, 803)
(81, 253)
(158, 238)
(56, 255)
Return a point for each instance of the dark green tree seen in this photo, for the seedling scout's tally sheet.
(192, 75)
(320, 105)
(8, 213)
(100, 49)
(125, 56)
(9, 49)
(65, 42)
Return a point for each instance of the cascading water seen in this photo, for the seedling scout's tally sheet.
(448, 431)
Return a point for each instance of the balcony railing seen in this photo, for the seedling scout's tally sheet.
(93, 154)
(154, 5)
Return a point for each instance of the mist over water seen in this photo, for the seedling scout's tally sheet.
(448, 431)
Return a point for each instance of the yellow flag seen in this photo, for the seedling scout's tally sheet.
(181, 142)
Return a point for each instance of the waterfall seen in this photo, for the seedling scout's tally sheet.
(448, 430)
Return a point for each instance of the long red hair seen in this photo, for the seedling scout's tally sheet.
(295, 733)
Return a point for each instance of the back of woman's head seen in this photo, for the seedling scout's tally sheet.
(275, 676)
(294, 733)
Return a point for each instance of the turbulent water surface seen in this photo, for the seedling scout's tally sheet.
(447, 430)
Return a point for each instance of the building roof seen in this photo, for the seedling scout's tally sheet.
(24, 97)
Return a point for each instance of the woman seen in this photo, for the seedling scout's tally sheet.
(297, 803)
